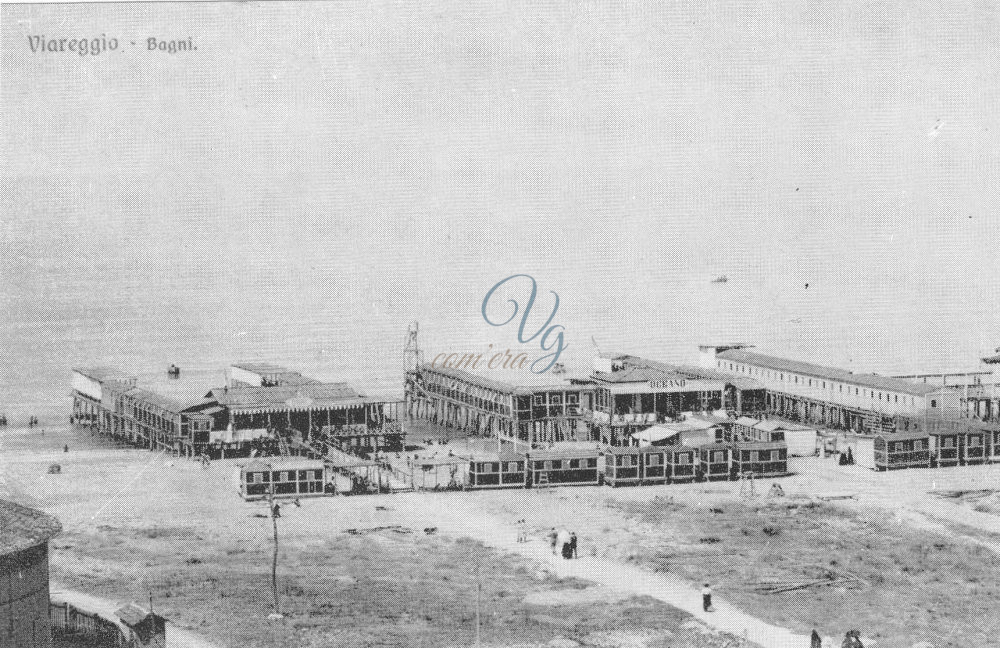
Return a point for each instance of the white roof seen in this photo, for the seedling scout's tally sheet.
(655, 433)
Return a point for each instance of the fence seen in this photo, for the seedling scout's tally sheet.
(68, 620)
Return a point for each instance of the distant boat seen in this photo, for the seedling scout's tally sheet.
(720, 279)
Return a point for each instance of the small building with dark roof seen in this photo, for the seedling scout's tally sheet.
(24, 569)
(145, 629)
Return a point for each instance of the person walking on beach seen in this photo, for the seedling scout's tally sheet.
(572, 543)
(815, 641)
(552, 540)
(706, 598)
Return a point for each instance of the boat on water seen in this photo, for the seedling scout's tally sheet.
(720, 279)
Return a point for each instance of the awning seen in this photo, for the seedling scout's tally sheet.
(654, 434)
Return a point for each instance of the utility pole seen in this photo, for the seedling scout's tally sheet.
(274, 561)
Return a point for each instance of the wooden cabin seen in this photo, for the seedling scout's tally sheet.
(947, 450)
(623, 465)
(653, 462)
(993, 445)
(285, 478)
(681, 462)
(893, 451)
(563, 468)
(761, 458)
(742, 429)
(973, 447)
(714, 459)
(504, 470)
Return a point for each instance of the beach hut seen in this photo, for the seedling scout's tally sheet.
(292, 477)
(654, 463)
(992, 444)
(682, 462)
(895, 450)
(503, 470)
(974, 446)
(761, 458)
(800, 439)
(714, 459)
(563, 467)
(623, 465)
(946, 450)
(742, 429)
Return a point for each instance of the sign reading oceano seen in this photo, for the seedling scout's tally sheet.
(667, 384)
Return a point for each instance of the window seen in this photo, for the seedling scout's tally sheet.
(486, 467)
(684, 458)
(556, 399)
(855, 391)
(512, 467)
(572, 399)
(539, 399)
(918, 445)
(933, 403)
(975, 441)
(251, 478)
(592, 463)
(653, 459)
(318, 475)
(841, 388)
(557, 464)
(718, 456)
(574, 463)
(754, 456)
(824, 384)
(302, 475)
(948, 442)
(896, 398)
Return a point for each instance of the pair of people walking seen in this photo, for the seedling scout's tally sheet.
(563, 542)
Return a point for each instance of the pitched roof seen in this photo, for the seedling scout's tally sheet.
(22, 527)
(133, 615)
(871, 381)
(282, 397)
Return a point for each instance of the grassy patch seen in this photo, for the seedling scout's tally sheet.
(380, 589)
(896, 583)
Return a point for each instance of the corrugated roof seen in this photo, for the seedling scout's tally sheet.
(636, 373)
(274, 463)
(871, 381)
(903, 436)
(545, 455)
(157, 400)
(623, 450)
(759, 445)
(22, 527)
(311, 396)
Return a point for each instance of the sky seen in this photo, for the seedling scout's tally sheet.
(317, 175)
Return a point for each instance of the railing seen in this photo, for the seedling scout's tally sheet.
(67, 619)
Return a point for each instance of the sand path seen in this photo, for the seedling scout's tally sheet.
(460, 518)
(177, 637)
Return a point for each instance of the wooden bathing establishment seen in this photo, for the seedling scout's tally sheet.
(634, 394)
(623, 465)
(519, 415)
(564, 467)
(892, 451)
(261, 407)
(503, 470)
(760, 458)
(714, 459)
(292, 477)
